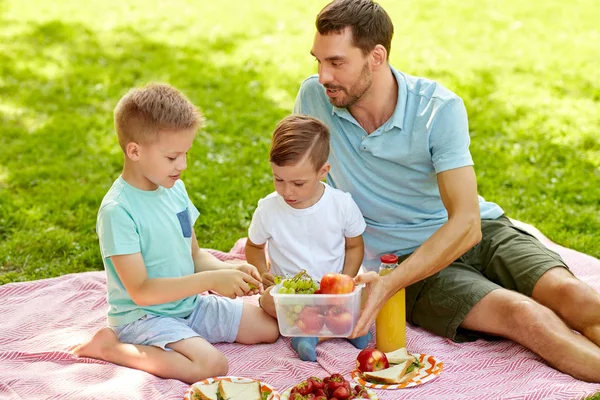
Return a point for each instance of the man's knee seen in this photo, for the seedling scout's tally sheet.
(525, 316)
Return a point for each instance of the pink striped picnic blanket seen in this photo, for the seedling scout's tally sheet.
(42, 320)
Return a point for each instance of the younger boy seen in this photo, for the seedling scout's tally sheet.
(154, 266)
(307, 224)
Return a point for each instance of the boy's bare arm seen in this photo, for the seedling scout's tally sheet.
(205, 262)
(255, 255)
(146, 291)
(355, 250)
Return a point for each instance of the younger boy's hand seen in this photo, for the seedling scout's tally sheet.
(268, 279)
(253, 272)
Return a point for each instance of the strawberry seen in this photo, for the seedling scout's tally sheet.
(320, 392)
(341, 393)
(335, 381)
(316, 382)
(304, 387)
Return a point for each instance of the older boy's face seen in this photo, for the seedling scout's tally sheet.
(343, 69)
(163, 162)
(299, 184)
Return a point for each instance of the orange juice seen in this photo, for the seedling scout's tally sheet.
(390, 324)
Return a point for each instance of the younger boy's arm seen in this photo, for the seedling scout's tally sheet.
(355, 250)
(255, 255)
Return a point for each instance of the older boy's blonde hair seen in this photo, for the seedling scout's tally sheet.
(144, 112)
(296, 136)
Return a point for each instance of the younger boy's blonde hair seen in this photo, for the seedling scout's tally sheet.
(298, 135)
(143, 113)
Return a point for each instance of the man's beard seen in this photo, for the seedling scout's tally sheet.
(356, 91)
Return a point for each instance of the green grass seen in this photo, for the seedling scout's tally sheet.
(528, 74)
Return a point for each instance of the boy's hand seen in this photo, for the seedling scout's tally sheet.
(268, 279)
(252, 271)
(234, 283)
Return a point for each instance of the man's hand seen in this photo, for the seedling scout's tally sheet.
(252, 271)
(378, 292)
(234, 283)
(268, 279)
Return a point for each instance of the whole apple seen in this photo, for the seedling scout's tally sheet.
(370, 360)
(339, 320)
(336, 284)
(310, 321)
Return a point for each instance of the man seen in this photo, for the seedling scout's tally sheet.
(400, 146)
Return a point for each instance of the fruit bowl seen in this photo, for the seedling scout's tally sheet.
(317, 315)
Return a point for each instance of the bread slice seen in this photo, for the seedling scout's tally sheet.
(399, 356)
(389, 376)
(240, 390)
(205, 392)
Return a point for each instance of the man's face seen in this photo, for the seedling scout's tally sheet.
(343, 69)
(163, 161)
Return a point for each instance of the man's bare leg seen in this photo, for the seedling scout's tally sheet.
(190, 361)
(517, 317)
(577, 303)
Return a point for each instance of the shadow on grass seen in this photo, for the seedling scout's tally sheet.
(60, 154)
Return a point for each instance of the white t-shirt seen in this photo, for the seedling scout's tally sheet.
(311, 238)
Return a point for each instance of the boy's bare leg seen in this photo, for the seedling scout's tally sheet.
(267, 303)
(577, 303)
(519, 318)
(190, 361)
(257, 326)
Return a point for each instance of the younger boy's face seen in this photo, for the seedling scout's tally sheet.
(162, 162)
(299, 184)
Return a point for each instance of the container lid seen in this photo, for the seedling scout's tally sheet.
(389, 259)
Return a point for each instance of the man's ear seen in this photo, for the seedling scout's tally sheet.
(324, 171)
(132, 151)
(378, 56)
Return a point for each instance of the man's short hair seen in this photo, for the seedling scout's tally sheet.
(369, 23)
(143, 113)
(297, 136)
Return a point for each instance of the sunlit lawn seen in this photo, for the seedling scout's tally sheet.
(529, 76)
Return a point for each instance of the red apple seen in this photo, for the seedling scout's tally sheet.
(339, 320)
(371, 359)
(310, 321)
(336, 284)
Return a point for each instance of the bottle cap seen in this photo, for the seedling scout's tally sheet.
(389, 259)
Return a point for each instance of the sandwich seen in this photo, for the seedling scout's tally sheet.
(205, 392)
(397, 374)
(405, 367)
(399, 356)
(239, 390)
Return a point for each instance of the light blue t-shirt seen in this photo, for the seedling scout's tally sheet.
(157, 224)
(391, 173)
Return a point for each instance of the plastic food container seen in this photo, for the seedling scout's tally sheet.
(320, 315)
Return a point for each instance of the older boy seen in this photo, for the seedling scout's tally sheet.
(308, 224)
(154, 266)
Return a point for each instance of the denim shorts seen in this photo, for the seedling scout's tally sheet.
(215, 319)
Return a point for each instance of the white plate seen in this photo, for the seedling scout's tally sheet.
(431, 368)
(272, 394)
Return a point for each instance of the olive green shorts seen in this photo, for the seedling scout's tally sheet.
(507, 257)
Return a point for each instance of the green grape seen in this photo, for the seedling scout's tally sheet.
(283, 290)
(291, 291)
(277, 279)
(287, 284)
(293, 285)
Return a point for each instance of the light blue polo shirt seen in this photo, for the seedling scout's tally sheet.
(158, 224)
(391, 173)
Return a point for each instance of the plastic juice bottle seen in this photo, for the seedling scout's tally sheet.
(390, 324)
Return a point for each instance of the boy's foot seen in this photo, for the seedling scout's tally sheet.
(362, 341)
(97, 346)
(306, 347)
